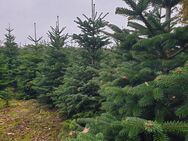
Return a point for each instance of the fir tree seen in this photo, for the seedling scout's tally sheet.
(148, 91)
(91, 39)
(78, 96)
(53, 68)
(3, 82)
(10, 51)
(150, 23)
(30, 62)
(9, 63)
(152, 111)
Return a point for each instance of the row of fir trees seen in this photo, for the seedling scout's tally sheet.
(136, 90)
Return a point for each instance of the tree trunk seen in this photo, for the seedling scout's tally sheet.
(168, 17)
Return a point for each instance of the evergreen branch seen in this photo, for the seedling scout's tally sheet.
(177, 52)
(175, 127)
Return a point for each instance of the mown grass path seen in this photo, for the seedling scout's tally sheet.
(28, 121)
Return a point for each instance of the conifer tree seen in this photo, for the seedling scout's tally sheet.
(146, 95)
(79, 96)
(11, 49)
(9, 68)
(150, 23)
(30, 57)
(149, 111)
(91, 39)
(53, 68)
(3, 81)
(11, 55)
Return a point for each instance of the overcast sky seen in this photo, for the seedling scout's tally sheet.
(21, 14)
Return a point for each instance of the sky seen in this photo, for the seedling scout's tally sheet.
(21, 14)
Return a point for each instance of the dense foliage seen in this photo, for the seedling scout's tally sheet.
(134, 91)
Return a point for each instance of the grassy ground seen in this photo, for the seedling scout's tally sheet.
(27, 121)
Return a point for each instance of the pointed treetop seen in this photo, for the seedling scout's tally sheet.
(57, 38)
(9, 29)
(57, 23)
(10, 38)
(35, 39)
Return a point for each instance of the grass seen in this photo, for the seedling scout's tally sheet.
(28, 121)
(2, 103)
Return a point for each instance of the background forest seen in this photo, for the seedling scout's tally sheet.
(136, 90)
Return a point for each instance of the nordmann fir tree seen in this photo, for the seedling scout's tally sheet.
(149, 101)
(130, 110)
(146, 16)
(3, 80)
(91, 39)
(154, 110)
(10, 53)
(53, 67)
(79, 96)
(30, 58)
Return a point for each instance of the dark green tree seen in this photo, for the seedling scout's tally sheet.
(3, 82)
(53, 68)
(91, 39)
(10, 56)
(78, 96)
(145, 16)
(11, 53)
(146, 95)
(30, 62)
